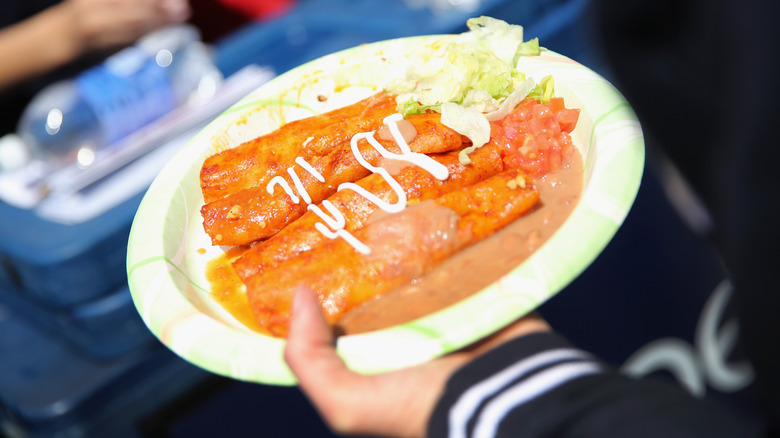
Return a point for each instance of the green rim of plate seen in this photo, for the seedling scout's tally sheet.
(166, 269)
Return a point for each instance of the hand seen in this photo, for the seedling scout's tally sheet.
(68, 30)
(102, 24)
(397, 403)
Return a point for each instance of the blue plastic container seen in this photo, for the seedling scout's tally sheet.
(47, 390)
(63, 265)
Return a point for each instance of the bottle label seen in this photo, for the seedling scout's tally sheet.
(126, 92)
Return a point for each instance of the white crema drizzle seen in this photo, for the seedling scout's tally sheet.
(334, 220)
(281, 182)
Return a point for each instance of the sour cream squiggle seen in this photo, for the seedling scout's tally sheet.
(308, 167)
(344, 234)
(336, 221)
(299, 186)
(438, 170)
(400, 204)
(333, 222)
(279, 181)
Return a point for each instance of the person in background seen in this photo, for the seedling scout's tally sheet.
(703, 78)
(219, 18)
(45, 40)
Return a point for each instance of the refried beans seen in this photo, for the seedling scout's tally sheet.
(478, 266)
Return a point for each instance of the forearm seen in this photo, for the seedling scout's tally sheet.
(539, 385)
(38, 44)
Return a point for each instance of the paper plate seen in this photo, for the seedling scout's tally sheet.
(166, 263)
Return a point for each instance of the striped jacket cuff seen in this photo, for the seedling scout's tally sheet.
(482, 394)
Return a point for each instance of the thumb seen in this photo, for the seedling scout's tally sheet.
(311, 355)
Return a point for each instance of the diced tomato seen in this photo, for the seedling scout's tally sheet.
(567, 118)
(556, 104)
(535, 137)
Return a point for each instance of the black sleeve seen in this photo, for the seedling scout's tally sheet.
(541, 386)
(702, 76)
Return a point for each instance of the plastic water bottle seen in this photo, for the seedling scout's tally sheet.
(69, 121)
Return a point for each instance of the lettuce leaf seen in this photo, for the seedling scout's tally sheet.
(473, 73)
(544, 91)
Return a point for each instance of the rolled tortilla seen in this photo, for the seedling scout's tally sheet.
(419, 185)
(254, 163)
(256, 213)
(404, 246)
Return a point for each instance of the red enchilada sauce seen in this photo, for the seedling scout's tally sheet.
(535, 138)
(228, 290)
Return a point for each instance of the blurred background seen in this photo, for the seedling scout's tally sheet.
(76, 359)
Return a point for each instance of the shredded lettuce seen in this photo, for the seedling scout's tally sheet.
(501, 38)
(463, 120)
(544, 91)
(469, 76)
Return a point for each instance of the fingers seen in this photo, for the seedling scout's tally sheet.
(392, 404)
(312, 357)
(309, 337)
(107, 23)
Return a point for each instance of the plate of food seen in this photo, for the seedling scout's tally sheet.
(429, 190)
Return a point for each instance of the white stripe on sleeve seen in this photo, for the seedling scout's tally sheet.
(468, 403)
(495, 410)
